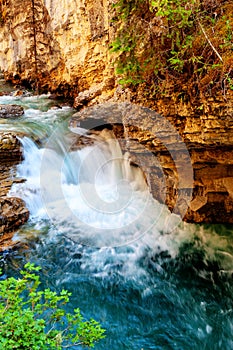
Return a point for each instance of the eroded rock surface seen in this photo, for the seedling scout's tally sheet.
(10, 147)
(191, 171)
(13, 212)
(66, 49)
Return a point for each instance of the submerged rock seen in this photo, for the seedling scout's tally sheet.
(11, 111)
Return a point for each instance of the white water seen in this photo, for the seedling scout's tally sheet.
(95, 198)
(41, 115)
(102, 231)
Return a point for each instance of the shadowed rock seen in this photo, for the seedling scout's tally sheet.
(13, 212)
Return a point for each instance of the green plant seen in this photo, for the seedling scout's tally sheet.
(229, 81)
(229, 29)
(136, 44)
(177, 11)
(35, 319)
(171, 44)
(175, 61)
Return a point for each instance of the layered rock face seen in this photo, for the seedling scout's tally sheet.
(58, 45)
(10, 147)
(64, 46)
(207, 130)
(13, 212)
(192, 174)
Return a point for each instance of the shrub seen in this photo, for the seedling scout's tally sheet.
(31, 318)
(174, 45)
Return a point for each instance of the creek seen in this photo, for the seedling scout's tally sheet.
(95, 230)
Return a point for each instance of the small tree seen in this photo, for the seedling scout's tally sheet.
(35, 319)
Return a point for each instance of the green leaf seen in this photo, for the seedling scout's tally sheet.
(28, 316)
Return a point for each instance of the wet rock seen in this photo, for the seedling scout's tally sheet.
(13, 214)
(204, 193)
(7, 243)
(11, 111)
(10, 147)
(22, 92)
(55, 97)
(18, 93)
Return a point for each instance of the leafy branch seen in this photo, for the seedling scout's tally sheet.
(162, 44)
(31, 318)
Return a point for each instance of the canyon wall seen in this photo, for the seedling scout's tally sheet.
(13, 212)
(63, 47)
(193, 174)
(58, 45)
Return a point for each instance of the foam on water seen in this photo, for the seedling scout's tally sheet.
(151, 284)
(94, 198)
(41, 115)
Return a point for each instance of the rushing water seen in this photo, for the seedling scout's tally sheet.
(95, 230)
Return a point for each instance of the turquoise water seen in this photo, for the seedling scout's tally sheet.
(158, 303)
(150, 289)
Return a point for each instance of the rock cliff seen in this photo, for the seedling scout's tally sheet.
(192, 174)
(13, 212)
(63, 46)
(60, 46)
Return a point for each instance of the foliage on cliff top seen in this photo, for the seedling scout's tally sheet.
(31, 318)
(174, 45)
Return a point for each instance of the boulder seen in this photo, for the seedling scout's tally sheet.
(11, 111)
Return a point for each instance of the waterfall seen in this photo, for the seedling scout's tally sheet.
(95, 230)
(29, 170)
(92, 195)
(96, 199)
